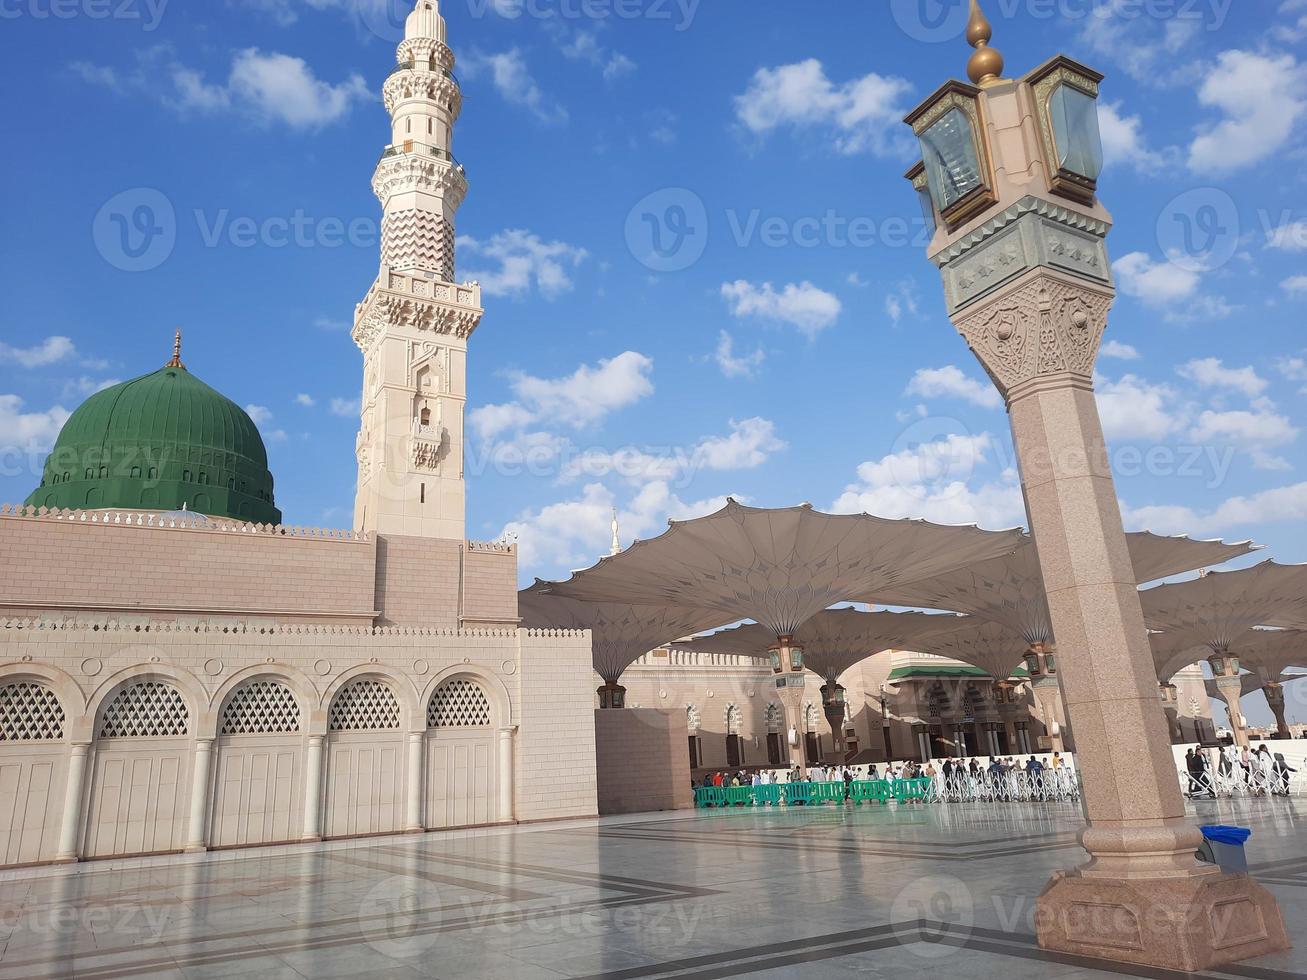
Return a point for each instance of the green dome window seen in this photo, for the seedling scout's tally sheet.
(194, 446)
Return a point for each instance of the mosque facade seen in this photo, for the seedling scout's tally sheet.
(181, 671)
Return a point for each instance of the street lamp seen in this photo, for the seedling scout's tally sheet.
(1011, 168)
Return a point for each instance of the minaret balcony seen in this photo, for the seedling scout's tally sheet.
(422, 149)
(421, 66)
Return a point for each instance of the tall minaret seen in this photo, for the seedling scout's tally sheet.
(414, 323)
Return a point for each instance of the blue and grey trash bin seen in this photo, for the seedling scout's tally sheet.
(1224, 846)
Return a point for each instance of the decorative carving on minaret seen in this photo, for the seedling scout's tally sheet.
(414, 322)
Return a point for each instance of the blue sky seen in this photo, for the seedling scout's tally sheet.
(782, 340)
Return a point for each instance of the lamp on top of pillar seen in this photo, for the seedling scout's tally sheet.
(1012, 168)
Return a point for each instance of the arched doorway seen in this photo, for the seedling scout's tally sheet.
(140, 787)
(259, 788)
(696, 741)
(33, 767)
(811, 738)
(734, 747)
(462, 776)
(365, 761)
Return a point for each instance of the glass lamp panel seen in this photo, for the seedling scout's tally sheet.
(796, 658)
(1076, 133)
(927, 210)
(949, 150)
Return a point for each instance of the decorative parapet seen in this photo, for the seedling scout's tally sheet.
(536, 634)
(493, 547)
(262, 629)
(183, 521)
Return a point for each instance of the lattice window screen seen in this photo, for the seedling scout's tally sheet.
(691, 717)
(364, 706)
(775, 717)
(810, 718)
(147, 709)
(261, 708)
(459, 703)
(30, 713)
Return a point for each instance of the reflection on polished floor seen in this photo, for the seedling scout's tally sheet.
(820, 892)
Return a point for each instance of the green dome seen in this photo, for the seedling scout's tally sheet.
(160, 442)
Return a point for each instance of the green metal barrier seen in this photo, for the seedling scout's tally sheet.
(706, 796)
(871, 791)
(739, 795)
(796, 793)
(812, 794)
(768, 794)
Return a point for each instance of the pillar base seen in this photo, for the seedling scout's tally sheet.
(65, 859)
(1188, 923)
(195, 849)
(311, 839)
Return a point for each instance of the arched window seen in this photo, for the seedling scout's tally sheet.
(265, 707)
(692, 717)
(775, 718)
(810, 722)
(734, 719)
(459, 703)
(30, 712)
(366, 705)
(144, 710)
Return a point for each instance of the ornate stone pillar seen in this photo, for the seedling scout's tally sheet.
(313, 763)
(1231, 688)
(1010, 168)
(416, 784)
(832, 706)
(791, 685)
(1275, 698)
(505, 765)
(197, 830)
(71, 823)
(1170, 704)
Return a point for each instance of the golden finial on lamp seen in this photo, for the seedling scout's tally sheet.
(176, 361)
(986, 66)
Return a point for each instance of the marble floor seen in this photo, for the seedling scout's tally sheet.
(822, 892)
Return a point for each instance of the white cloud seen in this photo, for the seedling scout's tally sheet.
(1115, 29)
(1210, 372)
(514, 82)
(863, 114)
(1258, 428)
(260, 415)
(749, 444)
(1288, 236)
(585, 46)
(743, 366)
(804, 306)
(574, 533)
(1260, 99)
(1124, 142)
(1132, 408)
(1120, 351)
(950, 382)
(524, 259)
(1295, 285)
(345, 407)
(1155, 283)
(308, 401)
(933, 481)
(1292, 368)
(83, 387)
(268, 86)
(581, 398)
(329, 323)
(29, 431)
(52, 350)
(1280, 504)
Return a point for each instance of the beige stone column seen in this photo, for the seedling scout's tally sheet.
(201, 776)
(1231, 689)
(1275, 698)
(71, 823)
(505, 765)
(416, 783)
(313, 763)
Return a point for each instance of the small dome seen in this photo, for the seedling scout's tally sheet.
(164, 441)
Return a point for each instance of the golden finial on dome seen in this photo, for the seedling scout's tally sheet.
(176, 361)
(986, 66)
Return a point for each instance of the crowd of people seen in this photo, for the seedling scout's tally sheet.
(1255, 772)
(950, 780)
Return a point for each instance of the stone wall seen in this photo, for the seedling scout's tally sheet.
(418, 581)
(556, 764)
(127, 563)
(490, 585)
(641, 760)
